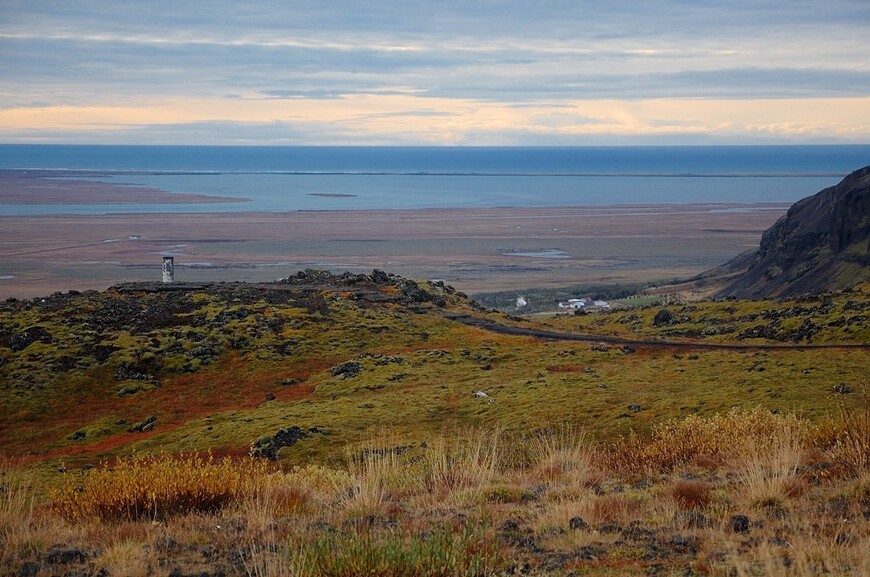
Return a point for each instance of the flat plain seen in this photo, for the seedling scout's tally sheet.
(474, 249)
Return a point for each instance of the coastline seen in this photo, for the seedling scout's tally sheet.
(63, 187)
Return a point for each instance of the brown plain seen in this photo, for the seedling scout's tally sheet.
(473, 249)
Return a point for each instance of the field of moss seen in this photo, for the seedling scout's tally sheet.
(350, 376)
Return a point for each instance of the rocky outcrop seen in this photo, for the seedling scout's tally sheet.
(823, 242)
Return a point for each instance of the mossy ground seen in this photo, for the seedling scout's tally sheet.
(86, 378)
(222, 366)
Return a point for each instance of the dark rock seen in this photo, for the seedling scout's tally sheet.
(24, 339)
(576, 523)
(28, 569)
(268, 447)
(510, 525)
(78, 435)
(842, 389)
(59, 555)
(412, 292)
(635, 408)
(379, 277)
(346, 370)
(662, 318)
(270, 396)
(144, 426)
(740, 524)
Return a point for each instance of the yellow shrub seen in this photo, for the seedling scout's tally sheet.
(159, 487)
(702, 441)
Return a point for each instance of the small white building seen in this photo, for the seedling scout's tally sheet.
(521, 302)
(575, 304)
(585, 303)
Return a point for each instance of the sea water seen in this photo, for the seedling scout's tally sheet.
(361, 178)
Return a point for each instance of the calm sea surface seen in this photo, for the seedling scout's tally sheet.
(359, 178)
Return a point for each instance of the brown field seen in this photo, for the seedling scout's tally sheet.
(473, 249)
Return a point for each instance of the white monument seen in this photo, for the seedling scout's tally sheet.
(168, 269)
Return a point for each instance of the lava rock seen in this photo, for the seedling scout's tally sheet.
(144, 426)
(740, 524)
(662, 318)
(62, 556)
(268, 447)
(346, 370)
(27, 337)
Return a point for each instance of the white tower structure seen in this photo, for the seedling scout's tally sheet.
(168, 269)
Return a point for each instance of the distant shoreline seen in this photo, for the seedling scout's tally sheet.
(71, 188)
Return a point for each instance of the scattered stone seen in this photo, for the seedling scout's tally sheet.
(635, 408)
(270, 396)
(144, 426)
(58, 555)
(627, 350)
(346, 370)
(842, 389)
(78, 435)
(740, 524)
(289, 382)
(486, 367)
(27, 337)
(576, 523)
(479, 395)
(268, 447)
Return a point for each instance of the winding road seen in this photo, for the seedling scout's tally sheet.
(496, 327)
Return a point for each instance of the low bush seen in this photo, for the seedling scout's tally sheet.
(158, 487)
(704, 442)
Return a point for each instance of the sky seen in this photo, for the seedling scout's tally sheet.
(435, 72)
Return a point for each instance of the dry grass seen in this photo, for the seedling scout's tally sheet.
(702, 442)
(472, 504)
(157, 487)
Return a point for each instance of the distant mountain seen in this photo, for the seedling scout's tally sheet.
(823, 242)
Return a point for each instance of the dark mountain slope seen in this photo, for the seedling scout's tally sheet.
(823, 242)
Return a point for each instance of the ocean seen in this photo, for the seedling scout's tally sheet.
(360, 178)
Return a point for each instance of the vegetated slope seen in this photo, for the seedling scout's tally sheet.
(298, 369)
(817, 318)
(823, 242)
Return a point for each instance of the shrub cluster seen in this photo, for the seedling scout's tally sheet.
(705, 442)
(158, 487)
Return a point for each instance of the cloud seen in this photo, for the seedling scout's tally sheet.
(93, 68)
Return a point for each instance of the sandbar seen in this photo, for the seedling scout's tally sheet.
(58, 187)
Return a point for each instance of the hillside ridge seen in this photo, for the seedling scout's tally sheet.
(821, 243)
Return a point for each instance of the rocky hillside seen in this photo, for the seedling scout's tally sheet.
(823, 242)
(297, 370)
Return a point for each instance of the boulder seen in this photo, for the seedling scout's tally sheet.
(662, 318)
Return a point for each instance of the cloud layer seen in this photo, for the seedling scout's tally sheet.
(435, 72)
